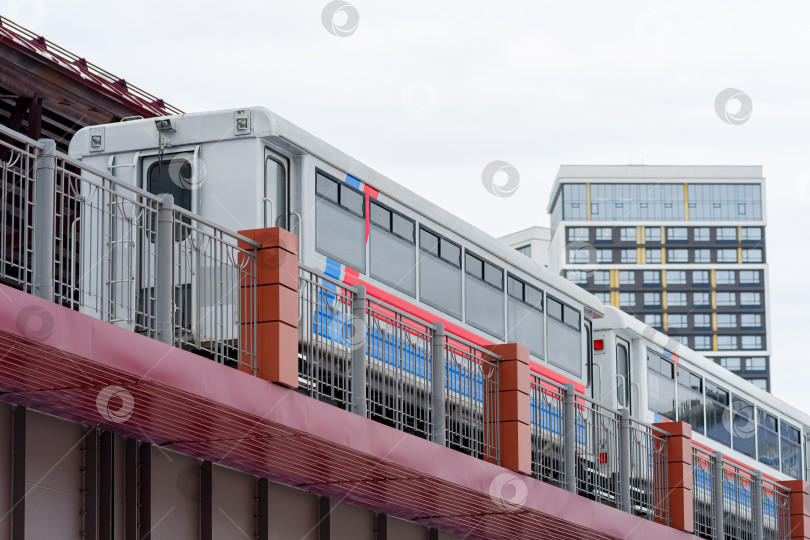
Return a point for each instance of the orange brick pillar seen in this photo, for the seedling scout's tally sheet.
(799, 508)
(679, 475)
(276, 308)
(514, 409)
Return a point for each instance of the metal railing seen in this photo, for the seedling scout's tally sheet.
(745, 505)
(597, 451)
(89, 241)
(373, 358)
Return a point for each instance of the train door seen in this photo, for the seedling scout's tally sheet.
(276, 191)
(623, 382)
(589, 356)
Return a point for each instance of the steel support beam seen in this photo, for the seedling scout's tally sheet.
(624, 460)
(437, 384)
(263, 511)
(105, 486)
(44, 211)
(570, 438)
(91, 485)
(358, 343)
(206, 500)
(324, 518)
(18, 453)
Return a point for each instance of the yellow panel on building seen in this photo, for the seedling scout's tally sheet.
(614, 298)
(714, 321)
(588, 201)
(686, 202)
(640, 238)
(712, 278)
(664, 299)
(714, 342)
(666, 322)
(714, 299)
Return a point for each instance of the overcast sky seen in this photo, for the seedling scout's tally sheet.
(428, 93)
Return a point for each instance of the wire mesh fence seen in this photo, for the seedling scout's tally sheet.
(548, 438)
(597, 451)
(648, 472)
(738, 502)
(775, 511)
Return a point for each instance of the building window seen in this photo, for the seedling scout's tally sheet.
(677, 255)
(752, 255)
(637, 202)
(526, 250)
(749, 277)
(603, 297)
(628, 256)
(601, 277)
(702, 234)
(652, 299)
(578, 234)
(627, 299)
(726, 299)
(763, 384)
(726, 343)
(676, 277)
(751, 234)
(700, 277)
(676, 299)
(751, 342)
(652, 278)
(751, 320)
(701, 299)
(628, 234)
(750, 299)
(653, 319)
(725, 202)
(756, 364)
(703, 343)
(726, 320)
(604, 256)
(683, 340)
(652, 234)
(702, 320)
(703, 256)
(677, 234)
(578, 256)
(724, 277)
(574, 201)
(726, 255)
(727, 234)
(677, 320)
(604, 234)
(731, 363)
(627, 277)
(653, 256)
(580, 277)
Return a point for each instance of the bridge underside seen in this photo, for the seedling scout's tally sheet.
(58, 361)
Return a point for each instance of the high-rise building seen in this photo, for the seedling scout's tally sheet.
(680, 247)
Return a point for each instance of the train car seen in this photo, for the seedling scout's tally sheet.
(249, 168)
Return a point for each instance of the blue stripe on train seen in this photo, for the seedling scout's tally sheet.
(552, 420)
(354, 182)
(703, 481)
(335, 325)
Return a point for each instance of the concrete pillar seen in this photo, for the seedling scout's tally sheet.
(514, 408)
(799, 508)
(274, 316)
(679, 475)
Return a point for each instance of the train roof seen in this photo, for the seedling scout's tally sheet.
(616, 319)
(198, 128)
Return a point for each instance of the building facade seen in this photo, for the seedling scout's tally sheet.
(680, 247)
(532, 242)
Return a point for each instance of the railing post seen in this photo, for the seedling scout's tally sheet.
(570, 437)
(717, 494)
(437, 383)
(756, 505)
(44, 211)
(624, 460)
(798, 512)
(676, 474)
(164, 286)
(359, 336)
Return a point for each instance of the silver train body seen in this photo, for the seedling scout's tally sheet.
(249, 168)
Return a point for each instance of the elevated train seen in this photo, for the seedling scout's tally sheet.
(249, 168)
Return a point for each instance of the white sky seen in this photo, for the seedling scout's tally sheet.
(428, 93)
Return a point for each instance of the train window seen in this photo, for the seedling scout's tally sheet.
(661, 384)
(623, 394)
(743, 427)
(392, 250)
(690, 399)
(173, 178)
(767, 439)
(791, 450)
(564, 337)
(276, 201)
(717, 414)
(340, 225)
(440, 272)
(484, 295)
(524, 311)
